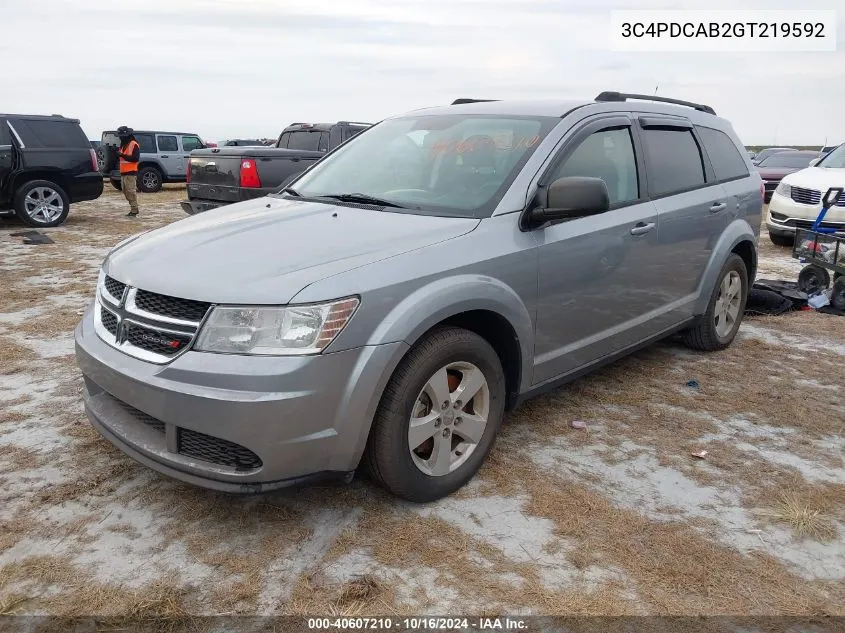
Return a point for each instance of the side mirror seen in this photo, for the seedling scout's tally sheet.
(569, 198)
(815, 161)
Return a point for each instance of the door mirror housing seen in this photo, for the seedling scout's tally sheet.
(569, 198)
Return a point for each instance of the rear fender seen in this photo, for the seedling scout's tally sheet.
(737, 231)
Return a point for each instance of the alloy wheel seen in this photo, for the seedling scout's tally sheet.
(449, 418)
(726, 311)
(44, 205)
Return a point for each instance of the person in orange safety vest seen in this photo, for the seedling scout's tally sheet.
(129, 155)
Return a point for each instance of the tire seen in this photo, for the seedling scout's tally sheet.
(389, 457)
(102, 159)
(110, 158)
(116, 184)
(837, 293)
(150, 180)
(813, 279)
(782, 240)
(707, 334)
(42, 204)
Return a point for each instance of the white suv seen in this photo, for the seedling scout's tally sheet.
(796, 202)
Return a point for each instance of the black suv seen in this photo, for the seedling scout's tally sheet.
(46, 163)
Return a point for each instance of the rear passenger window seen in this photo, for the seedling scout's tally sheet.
(167, 144)
(727, 162)
(323, 146)
(673, 159)
(609, 155)
(47, 133)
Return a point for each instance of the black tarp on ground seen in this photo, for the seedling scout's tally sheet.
(775, 296)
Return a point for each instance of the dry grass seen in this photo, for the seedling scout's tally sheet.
(804, 520)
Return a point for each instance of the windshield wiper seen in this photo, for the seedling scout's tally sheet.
(291, 191)
(362, 198)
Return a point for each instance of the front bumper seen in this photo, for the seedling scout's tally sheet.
(785, 216)
(192, 207)
(236, 423)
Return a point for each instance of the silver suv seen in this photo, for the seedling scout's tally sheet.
(164, 157)
(400, 295)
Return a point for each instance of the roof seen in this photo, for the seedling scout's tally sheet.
(134, 131)
(42, 117)
(323, 127)
(560, 108)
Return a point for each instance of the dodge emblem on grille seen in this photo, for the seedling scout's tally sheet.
(160, 340)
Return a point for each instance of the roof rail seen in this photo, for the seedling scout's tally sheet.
(623, 96)
(462, 101)
(352, 123)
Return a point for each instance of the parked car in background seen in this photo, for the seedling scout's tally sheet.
(778, 165)
(763, 154)
(232, 174)
(241, 142)
(796, 202)
(752, 155)
(46, 164)
(164, 157)
(403, 293)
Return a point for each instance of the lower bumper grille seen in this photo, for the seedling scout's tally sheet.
(216, 450)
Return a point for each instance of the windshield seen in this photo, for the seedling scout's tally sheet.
(834, 160)
(788, 159)
(449, 165)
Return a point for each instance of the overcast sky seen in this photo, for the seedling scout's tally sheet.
(245, 68)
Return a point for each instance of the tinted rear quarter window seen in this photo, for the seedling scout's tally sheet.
(5, 135)
(727, 162)
(147, 143)
(40, 133)
(673, 159)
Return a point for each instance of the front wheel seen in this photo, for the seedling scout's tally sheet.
(41, 203)
(717, 327)
(438, 417)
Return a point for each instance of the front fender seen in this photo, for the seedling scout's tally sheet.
(439, 300)
(737, 231)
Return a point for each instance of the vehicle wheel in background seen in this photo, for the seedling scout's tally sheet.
(813, 279)
(102, 160)
(41, 203)
(149, 180)
(718, 326)
(782, 240)
(837, 293)
(438, 417)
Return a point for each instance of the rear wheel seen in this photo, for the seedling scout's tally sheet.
(149, 180)
(438, 417)
(717, 327)
(781, 240)
(41, 203)
(813, 279)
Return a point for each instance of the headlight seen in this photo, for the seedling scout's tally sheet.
(784, 190)
(271, 331)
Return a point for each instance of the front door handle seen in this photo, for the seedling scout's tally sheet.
(718, 206)
(165, 156)
(641, 228)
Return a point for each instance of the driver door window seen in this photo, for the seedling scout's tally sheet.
(609, 155)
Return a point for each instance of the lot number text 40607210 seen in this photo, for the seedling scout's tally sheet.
(417, 624)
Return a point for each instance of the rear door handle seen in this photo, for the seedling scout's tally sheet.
(165, 156)
(717, 207)
(641, 228)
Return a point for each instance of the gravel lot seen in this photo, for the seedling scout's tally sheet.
(619, 518)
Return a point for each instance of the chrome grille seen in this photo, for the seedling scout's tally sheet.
(153, 327)
(216, 450)
(173, 307)
(812, 197)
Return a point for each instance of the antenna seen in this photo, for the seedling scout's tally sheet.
(655, 88)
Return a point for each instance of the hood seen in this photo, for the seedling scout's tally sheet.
(265, 251)
(818, 178)
(775, 173)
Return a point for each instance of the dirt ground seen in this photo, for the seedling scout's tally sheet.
(616, 519)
